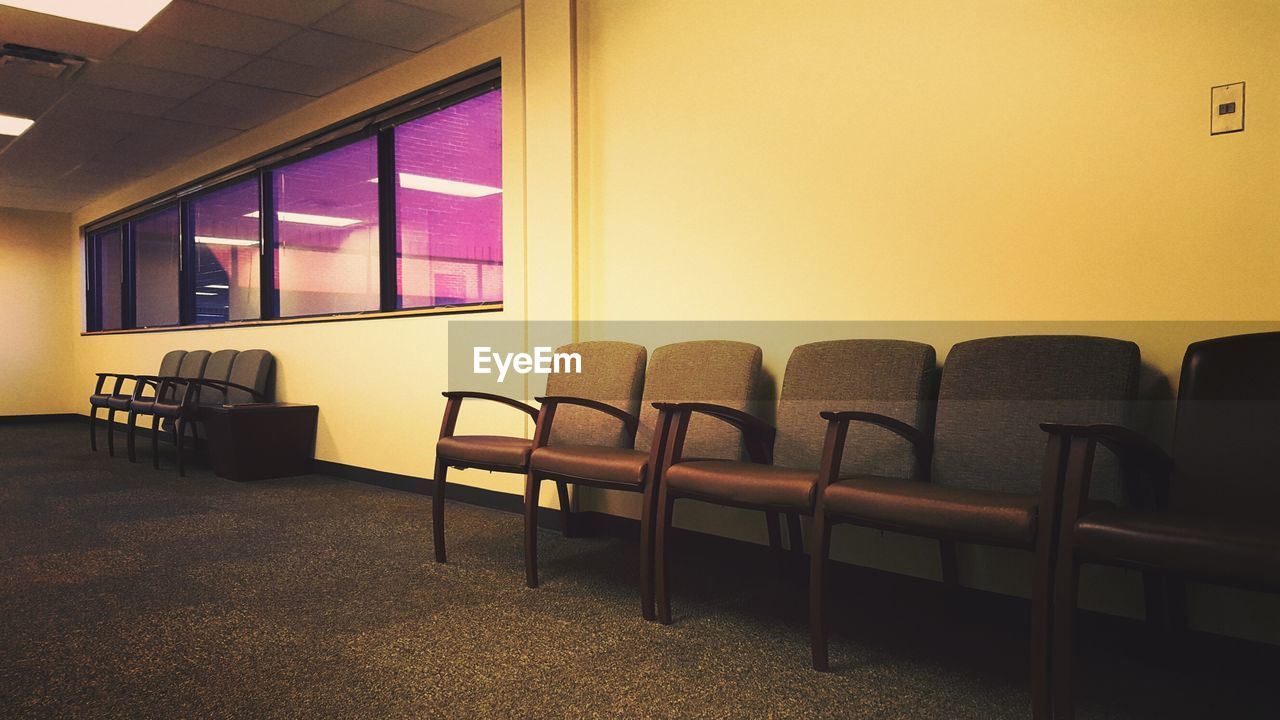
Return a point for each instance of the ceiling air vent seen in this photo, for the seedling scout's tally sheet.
(40, 63)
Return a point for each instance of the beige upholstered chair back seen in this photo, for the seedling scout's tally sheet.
(889, 377)
(711, 371)
(612, 373)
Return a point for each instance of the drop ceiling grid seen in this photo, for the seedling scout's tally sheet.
(198, 75)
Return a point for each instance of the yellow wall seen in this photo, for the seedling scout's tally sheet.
(35, 350)
(917, 160)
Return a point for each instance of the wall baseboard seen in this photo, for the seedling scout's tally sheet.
(40, 418)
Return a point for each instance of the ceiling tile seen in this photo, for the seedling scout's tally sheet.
(292, 77)
(135, 78)
(27, 95)
(166, 53)
(104, 98)
(237, 106)
(391, 23)
(312, 47)
(206, 25)
(41, 198)
(50, 32)
(298, 12)
(472, 11)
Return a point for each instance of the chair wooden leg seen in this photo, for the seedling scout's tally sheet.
(129, 437)
(1064, 610)
(155, 441)
(531, 488)
(437, 509)
(819, 547)
(1041, 631)
(648, 519)
(566, 510)
(950, 566)
(794, 534)
(662, 526)
(111, 432)
(93, 428)
(1176, 604)
(775, 530)
(180, 432)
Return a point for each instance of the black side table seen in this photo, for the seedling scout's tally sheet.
(257, 441)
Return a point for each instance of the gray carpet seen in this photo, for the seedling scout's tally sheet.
(126, 592)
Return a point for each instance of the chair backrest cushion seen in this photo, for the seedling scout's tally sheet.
(171, 362)
(890, 377)
(610, 372)
(1225, 456)
(218, 368)
(169, 366)
(723, 372)
(255, 369)
(995, 392)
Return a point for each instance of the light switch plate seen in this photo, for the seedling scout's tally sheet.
(1227, 109)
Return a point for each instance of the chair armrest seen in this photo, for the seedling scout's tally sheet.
(546, 417)
(454, 406)
(838, 429)
(1128, 445)
(119, 384)
(758, 434)
(224, 385)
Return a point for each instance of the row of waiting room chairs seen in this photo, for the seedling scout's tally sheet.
(998, 449)
(185, 382)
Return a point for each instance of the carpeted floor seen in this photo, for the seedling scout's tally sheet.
(126, 592)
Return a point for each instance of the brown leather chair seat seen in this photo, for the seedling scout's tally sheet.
(101, 399)
(752, 484)
(616, 465)
(487, 449)
(118, 402)
(982, 515)
(1198, 545)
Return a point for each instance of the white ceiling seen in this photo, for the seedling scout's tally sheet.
(200, 73)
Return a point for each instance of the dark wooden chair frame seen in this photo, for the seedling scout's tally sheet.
(116, 392)
(186, 418)
(1044, 548)
(758, 437)
(1140, 458)
(534, 478)
(452, 408)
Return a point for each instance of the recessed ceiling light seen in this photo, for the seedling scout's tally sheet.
(306, 219)
(207, 240)
(15, 126)
(445, 187)
(123, 14)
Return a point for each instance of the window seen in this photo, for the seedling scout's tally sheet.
(156, 247)
(106, 251)
(327, 232)
(228, 254)
(398, 208)
(449, 205)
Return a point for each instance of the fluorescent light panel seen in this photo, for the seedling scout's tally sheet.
(15, 126)
(444, 187)
(207, 240)
(205, 294)
(217, 287)
(306, 219)
(124, 14)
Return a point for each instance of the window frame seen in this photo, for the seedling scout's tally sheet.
(378, 122)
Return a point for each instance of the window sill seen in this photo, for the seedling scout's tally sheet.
(345, 317)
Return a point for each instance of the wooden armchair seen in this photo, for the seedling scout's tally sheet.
(1206, 513)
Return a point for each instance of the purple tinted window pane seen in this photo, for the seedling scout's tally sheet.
(109, 248)
(327, 232)
(449, 205)
(228, 254)
(156, 250)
